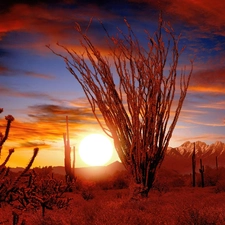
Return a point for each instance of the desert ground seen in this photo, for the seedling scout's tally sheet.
(108, 202)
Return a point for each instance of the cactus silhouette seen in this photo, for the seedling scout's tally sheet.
(3, 138)
(202, 170)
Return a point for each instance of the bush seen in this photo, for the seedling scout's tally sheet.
(220, 186)
(120, 180)
(87, 190)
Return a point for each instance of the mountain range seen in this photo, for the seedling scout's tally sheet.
(178, 159)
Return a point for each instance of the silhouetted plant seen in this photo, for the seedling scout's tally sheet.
(136, 109)
(87, 190)
(193, 167)
(70, 176)
(202, 170)
(120, 180)
(3, 138)
(43, 193)
(9, 187)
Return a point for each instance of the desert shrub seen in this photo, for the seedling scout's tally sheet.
(178, 181)
(87, 190)
(120, 180)
(162, 185)
(199, 215)
(211, 176)
(104, 184)
(44, 172)
(220, 186)
(167, 179)
(48, 221)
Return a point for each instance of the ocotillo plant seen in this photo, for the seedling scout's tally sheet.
(193, 166)
(202, 170)
(3, 138)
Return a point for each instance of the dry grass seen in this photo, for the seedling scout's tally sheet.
(112, 207)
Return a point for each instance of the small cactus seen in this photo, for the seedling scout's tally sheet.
(7, 158)
(193, 167)
(3, 138)
(202, 170)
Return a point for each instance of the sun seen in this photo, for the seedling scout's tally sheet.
(95, 149)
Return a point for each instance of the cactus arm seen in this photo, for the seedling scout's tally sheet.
(7, 158)
(9, 119)
(25, 170)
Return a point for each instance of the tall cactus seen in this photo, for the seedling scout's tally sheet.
(3, 138)
(74, 160)
(217, 163)
(202, 170)
(68, 169)
(193, 166)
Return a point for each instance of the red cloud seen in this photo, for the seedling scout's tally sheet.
(211, 80)
(206, 15)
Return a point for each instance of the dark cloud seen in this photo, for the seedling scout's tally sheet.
(51, 113)
(5, 5)
(3, 70)
(3, 52)
(12, 92)
(210, 80)
(9, 72)
(34, 144)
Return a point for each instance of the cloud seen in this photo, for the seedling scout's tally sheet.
(6, 71)
(204, 123)
(11, 92)
(206, 15)
(55, 24)
(56, 113)
(210, 81)
(3, 69)
(205, 137)
(46, 126)
(219, 105)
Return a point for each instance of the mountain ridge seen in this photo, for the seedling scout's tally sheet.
(176, 158)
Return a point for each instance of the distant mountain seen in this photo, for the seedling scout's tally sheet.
(179, 158)
(93, 171)
(202, 149)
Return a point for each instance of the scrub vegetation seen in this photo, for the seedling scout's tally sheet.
(172, 200)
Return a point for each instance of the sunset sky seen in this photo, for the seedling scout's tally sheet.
(37, 89)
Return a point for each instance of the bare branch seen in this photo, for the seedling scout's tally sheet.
(137, 101)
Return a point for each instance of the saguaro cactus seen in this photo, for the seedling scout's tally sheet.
(74, 160)
(3, 138)
(217, 163)
(202, 170)
(193, 166)
(68, 169)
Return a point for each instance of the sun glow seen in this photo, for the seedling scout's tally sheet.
(95, 149)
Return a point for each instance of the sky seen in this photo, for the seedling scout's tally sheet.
(38, 90)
